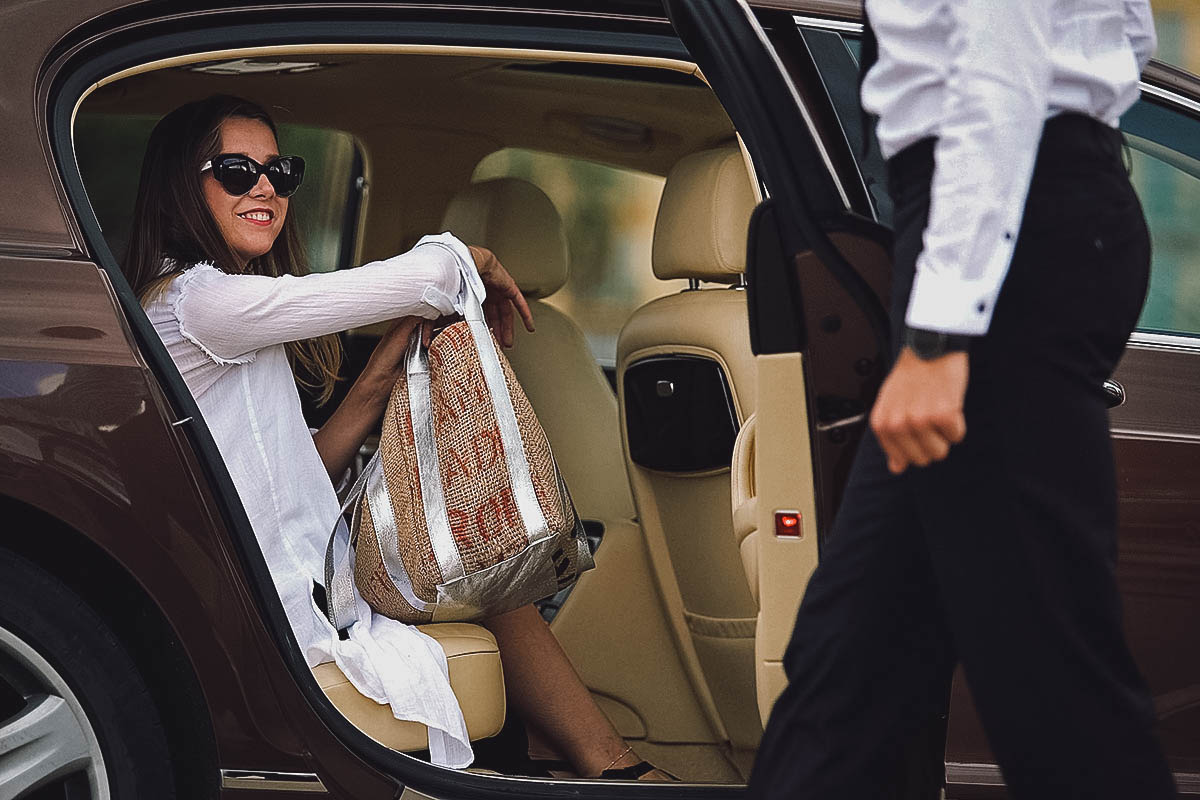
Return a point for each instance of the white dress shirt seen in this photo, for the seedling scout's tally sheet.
(983, 76)
(226, 334)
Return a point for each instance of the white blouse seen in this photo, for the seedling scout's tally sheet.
(226, 334)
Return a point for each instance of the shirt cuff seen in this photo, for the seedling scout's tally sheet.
(468, 274)
(949, 304)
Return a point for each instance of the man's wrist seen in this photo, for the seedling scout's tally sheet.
(928, 345)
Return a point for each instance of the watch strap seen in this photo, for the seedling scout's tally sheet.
(928, 345)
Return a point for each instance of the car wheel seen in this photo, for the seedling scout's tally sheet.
(76, 718)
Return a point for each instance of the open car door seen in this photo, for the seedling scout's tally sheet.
(818, 269)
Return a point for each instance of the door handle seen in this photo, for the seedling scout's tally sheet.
(1114, 392)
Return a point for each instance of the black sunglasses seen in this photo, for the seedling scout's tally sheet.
(238, 174)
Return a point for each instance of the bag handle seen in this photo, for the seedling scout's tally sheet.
(519, 474)
(342, 599)
(340, 604)
(429, 474)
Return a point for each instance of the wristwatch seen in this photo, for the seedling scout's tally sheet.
(928, 345)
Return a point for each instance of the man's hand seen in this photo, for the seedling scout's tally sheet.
(919, 412)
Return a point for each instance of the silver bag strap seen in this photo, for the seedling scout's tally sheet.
(340, 606)
(371, 489)
(519, 475)
(429, 473)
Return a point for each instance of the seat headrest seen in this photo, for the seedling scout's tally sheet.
(703, 217)
(516, 221)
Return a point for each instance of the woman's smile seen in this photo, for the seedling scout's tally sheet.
(258, 216)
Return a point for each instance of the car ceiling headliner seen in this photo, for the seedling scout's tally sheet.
(481, 104)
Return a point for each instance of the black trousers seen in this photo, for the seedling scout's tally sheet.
(1002, 556)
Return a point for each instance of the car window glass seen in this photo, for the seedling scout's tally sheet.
(109, 148)
(1164, 154)
(836, 56)
(608, 215)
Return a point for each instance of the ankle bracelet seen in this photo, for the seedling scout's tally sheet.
(628, 749)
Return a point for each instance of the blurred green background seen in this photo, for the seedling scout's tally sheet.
(1178, 24)
(1169, 188)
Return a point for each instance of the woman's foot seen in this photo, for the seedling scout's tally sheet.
(546, 692)
(629, 766)
(641, 771)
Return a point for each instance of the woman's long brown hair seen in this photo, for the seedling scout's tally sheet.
(174, 229)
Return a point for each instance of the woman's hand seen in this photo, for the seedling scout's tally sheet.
(356, 417)
(502, 296)
(387, 359)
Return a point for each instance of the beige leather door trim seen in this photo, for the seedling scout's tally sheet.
(720, 628)
(784, 480)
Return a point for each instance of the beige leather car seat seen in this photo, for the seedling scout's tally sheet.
(685, 376)
(556, 368)
(614, 627)
(475, 677)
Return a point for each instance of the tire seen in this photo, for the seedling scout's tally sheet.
(67, 682)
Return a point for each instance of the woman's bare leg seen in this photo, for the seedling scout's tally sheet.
(546, 691)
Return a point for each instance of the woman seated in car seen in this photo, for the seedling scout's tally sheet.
(215, 258)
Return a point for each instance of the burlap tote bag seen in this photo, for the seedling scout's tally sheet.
(462, 513)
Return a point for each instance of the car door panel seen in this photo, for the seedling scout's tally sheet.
(1157, 450)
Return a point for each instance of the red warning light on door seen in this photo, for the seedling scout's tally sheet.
(787, 524)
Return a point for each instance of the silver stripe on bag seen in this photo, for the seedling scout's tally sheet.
(501, 587)
(382, 517)
(433, 499)
(339, 579)
(339, 566)
(519, 474)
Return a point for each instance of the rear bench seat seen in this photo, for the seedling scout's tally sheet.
(475, 677)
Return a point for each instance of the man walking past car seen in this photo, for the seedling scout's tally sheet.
(978, 525)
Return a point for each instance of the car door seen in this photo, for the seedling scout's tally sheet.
(1156, 428)
(818, 273)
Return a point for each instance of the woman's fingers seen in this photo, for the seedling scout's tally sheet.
(498, 315)
(489, 316)
(399, 332)
(388, 356)
(506, 324)
(522, 306)
(500, 284)
(403, 327)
